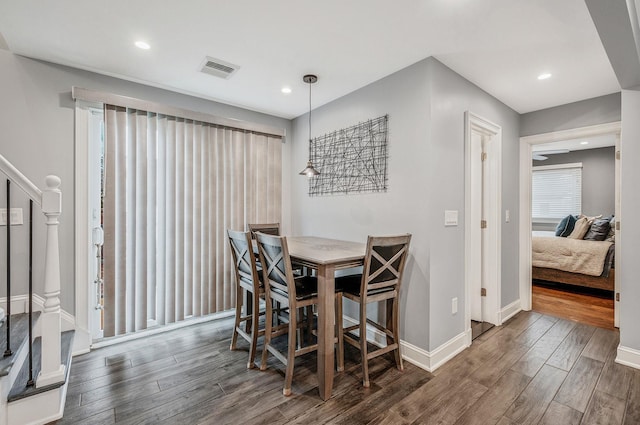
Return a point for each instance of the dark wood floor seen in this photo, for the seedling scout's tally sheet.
(535, 369)
(593, 307)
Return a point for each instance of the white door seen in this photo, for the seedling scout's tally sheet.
(476, 171)
(483, 220)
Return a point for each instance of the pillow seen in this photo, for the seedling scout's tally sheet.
(580, 229)
(565, 227)
(612, 230)
(599, 230)
(590, 218)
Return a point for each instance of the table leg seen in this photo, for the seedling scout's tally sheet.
(326, 330)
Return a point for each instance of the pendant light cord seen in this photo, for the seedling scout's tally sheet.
(310, 120)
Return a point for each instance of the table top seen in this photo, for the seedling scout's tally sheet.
(325, 251)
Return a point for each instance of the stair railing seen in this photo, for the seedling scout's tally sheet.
(50, 201)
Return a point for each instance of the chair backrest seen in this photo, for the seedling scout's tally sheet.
(277, 273)
(268, 228)
(384, 263)
(244, 259)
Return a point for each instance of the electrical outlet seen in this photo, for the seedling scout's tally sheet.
(16, 216)
(454, 305)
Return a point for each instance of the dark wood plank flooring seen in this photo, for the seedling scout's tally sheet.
(535, 369)
(592, 307)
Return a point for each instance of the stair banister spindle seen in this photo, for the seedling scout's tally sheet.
(52, 371)
(30, 382)
(7, 351)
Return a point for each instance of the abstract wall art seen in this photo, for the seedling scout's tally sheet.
(351, 160)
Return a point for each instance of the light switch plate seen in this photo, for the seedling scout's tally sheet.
(16, 216)
(451, 218)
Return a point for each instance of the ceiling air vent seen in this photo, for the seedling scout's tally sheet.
(218, 68)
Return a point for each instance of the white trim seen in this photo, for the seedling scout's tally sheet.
(432, 360)
(93, 96)
(525, 194)
(557, 166)
(510, 310)
(81, 226)
(628, 357)
(30, 410)
(165, 328)
(420, 357)
(491, 303)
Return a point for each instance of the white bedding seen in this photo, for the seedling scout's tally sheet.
(570, 255)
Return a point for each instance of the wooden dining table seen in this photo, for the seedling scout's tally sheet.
(325, 256)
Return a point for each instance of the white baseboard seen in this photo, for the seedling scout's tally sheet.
(432, 360)
(415, 355)
(510, 310)
(628, 357)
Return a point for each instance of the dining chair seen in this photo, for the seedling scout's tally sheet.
(268, 228)
(247, 279)
(380, 280)
(298, 293)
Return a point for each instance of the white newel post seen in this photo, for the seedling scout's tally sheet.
(52, 370)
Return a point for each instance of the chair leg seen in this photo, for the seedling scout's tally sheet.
(396, 333)
(339, 333)
(363, 344)
(234, 336)
(291, 355)
(255, 299)
(268, 319)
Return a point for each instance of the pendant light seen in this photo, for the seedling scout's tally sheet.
(309, 171)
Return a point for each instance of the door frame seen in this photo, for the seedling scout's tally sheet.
(491, 305)
(526, 144)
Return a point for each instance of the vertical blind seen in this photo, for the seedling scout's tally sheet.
(172, 188)
(556, 191)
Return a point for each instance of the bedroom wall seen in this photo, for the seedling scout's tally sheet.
(598, 180)
(37, 136)
(426, 104)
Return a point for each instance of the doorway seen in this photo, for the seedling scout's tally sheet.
(526, 228)
(483, 165)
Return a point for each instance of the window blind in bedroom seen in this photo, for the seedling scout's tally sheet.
(556, 191)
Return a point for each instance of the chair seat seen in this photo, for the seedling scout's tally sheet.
(306, 287)
(351, 285)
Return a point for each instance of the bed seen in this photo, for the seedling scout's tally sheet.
(577, 262)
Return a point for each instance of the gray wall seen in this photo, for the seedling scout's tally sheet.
(599, 110)
(37, 136)
(598, 180)
(426, 103)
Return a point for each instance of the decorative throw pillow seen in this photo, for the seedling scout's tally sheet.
(590, 218)
(599, 230)
(565, 227)
(580, 229)
(612, 230)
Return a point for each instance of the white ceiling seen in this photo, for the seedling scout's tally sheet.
(501, 45)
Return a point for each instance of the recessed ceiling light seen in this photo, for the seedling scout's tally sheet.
(544, 76)
(142, 45)
(584, 143)
(286, 90)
